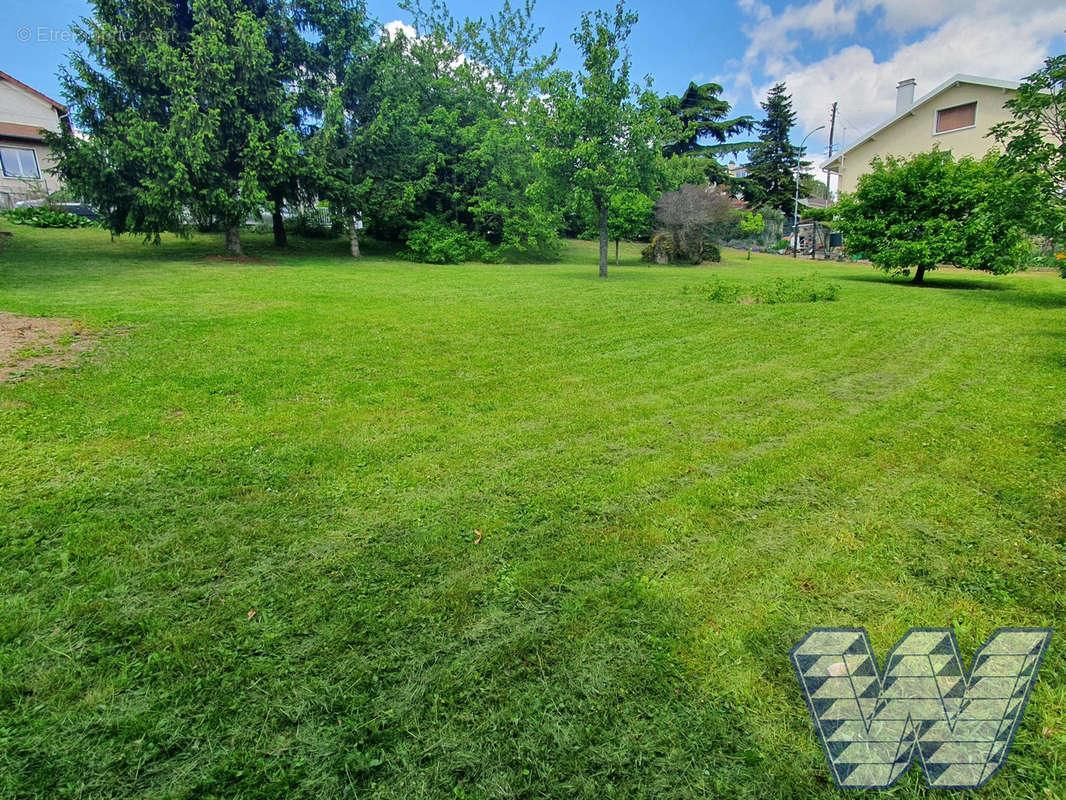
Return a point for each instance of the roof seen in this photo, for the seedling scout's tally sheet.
(62, 109)
(13, 130)
(955, 80)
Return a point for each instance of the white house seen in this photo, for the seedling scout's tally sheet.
(24, 157)
(957, 116)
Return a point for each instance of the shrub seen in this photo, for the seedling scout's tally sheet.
(434, 241)
(782, 290)
(661, 244)
(46, 218)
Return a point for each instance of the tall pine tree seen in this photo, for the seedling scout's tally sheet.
(773, 161)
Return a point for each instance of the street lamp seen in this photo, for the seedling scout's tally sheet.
(796, 200)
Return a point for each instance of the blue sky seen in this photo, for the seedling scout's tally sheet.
(850, 51)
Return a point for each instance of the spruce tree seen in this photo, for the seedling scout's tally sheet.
(188, 109)
(773, 161)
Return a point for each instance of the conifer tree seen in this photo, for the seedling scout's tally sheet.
(773, 161)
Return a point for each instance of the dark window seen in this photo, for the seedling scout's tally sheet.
(952, 119)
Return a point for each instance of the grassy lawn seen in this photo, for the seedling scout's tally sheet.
(670, 491)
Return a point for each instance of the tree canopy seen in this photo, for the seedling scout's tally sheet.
(190, 114)
(601, 138)
(1035, 142)
(930, 210)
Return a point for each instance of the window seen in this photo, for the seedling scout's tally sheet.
(956, 118)
(19, 162)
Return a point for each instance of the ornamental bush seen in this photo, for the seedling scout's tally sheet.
(44, 217)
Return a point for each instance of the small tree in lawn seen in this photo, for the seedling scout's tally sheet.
(931, 210)
(601, 140)
(1035, 142)
(752, 224)
(631, 217)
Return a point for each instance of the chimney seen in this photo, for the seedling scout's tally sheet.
(904, 95)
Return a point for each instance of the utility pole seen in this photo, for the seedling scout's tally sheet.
(832, 127)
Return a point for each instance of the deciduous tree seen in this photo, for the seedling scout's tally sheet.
(601, 137)
(1035, 142)
(931, 210)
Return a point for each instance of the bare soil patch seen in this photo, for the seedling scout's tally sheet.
(27, 342)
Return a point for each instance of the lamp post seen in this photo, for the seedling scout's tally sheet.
(796, 200)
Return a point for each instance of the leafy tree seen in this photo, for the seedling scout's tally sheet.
(631, 217)
(692, 215)
(1035, 142)
(702, 115)
(601, 139)
(932, 210)
(483, 116)
(372, 154)
(752, 223)
(773, 161)
(190, 111)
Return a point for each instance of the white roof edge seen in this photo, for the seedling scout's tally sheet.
(977, 80)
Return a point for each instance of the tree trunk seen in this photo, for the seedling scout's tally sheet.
(281, 238)
(749, 254)
(233, 241)
(353, 237)
(919, 275)
(603, 241)
(616, 262)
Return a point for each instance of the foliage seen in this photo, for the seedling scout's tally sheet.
(481, 120)
(752, 224)
(661, 247)
(372, 156)
(676, 171)
(190, 110)
(701, 131)
(773, 161)
(632, 215)
(1035, 142)
(779, 290)
(44, 217)
(931, 210)
(695, 217)
(439, 241)
(701, 114)
(599, 138)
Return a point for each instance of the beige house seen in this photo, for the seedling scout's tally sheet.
(24, 157)
(957, 116)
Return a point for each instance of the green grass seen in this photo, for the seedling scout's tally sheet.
(671, 490)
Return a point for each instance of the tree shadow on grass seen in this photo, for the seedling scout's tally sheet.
(1012, 294)
(930, 282)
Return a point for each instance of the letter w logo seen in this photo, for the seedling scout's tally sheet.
(873, 724)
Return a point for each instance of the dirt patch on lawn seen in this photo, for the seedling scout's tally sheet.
(28, 342)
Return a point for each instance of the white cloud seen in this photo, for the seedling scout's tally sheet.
(399, 26)
(992, 38)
